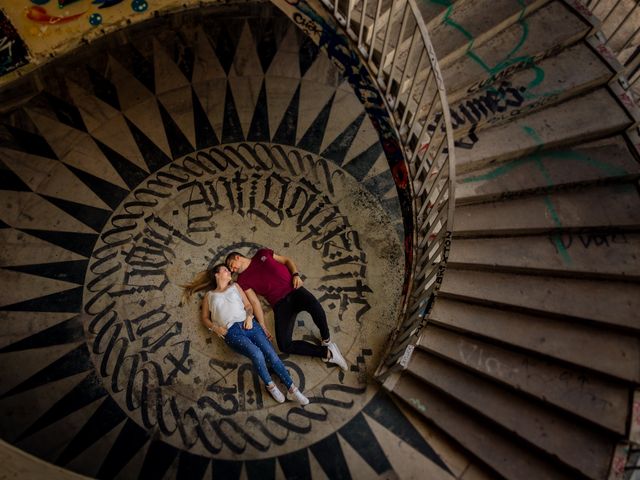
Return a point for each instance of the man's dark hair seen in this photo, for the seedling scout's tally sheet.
(231, 256)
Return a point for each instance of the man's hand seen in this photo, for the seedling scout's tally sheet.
(297, 281)
(267, 333)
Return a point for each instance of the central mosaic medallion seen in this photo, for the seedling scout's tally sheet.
(162, 366)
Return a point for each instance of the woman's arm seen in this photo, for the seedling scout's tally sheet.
(291, 266)
(205, 318)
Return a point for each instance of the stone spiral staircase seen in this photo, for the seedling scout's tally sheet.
(530, 355)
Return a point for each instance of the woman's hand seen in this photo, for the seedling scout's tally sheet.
(248, 323)
(220, 331)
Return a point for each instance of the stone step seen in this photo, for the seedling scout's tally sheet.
(598, 207)
(548, 30)
(433, 12)
(577, 444)
(602, 207)
(604, 160)
(621, 21)
(370, 13)
(470, 23)
(498, 60)
(477, 435)
(444, 27)
(569, 122)
(594, 347)
(598, 43)
(572, 72)
(600, 302)
(606, 255)
(574, 390)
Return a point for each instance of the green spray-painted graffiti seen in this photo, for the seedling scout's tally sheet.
(537, 158)
(418, 404)
(510, 59)
(498, 95)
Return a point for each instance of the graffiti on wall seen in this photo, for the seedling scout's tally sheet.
(13, 51)
(66, 11)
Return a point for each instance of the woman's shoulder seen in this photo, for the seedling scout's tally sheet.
(209, 294)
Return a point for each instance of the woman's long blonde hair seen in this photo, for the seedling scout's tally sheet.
(205, 280)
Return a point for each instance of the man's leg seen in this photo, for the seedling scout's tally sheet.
(303, 300)
(285, 318)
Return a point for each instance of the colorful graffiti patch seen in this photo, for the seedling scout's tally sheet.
(13, 51)
(40, 15)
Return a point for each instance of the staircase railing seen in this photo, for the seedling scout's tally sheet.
(393, 41)
(621, 30)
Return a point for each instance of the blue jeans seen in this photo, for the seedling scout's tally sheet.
(255, 345)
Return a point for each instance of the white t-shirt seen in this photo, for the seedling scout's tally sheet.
(226, 308)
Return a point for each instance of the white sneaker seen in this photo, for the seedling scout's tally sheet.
(276, 394)
(299, 396)
(336, 357)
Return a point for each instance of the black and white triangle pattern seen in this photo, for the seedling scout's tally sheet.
(74, 152)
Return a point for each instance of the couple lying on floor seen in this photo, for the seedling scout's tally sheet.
(232, 310)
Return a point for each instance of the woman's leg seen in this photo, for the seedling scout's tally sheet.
(259, 338)
(239, 341)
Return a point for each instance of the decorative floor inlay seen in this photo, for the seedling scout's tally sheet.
(159, 363)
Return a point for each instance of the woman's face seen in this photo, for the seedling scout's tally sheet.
(223, 273)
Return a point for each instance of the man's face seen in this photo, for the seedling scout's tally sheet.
(234, 265)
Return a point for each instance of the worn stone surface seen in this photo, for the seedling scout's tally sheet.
(568, 122)
(610, 303)
(536, 36)
(550, 81)
(593, 207)
(506, 457)
(604, 160)
(554, 433)
(472, 23)
(575, 391)
(603, 254)
(568, 341)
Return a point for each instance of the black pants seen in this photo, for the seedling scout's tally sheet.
(285, 312)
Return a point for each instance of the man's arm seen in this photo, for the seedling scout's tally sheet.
(257, 310)
(248, 321)
(291, 266)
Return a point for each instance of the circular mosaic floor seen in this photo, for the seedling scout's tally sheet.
(155, 358)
